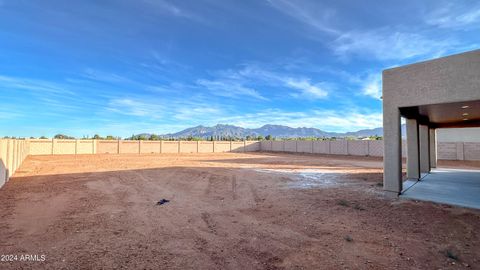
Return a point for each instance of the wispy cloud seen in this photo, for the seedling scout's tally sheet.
(135, 107)
(455, 16)
(168, 7)
(252, 74)
(226, 88)
(372, 85)
(306, 88)
(312, 14)
(390, 44)
(102, 76)
(39, 86)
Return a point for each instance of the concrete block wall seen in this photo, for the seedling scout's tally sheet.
(85, 147)
(107, 147)
(205, 147)
(290, 146)
(321, 147)
(471, 150)
(339, 147)
(305, 146)
(357, 148)
(446, 150)
(12, 154)
(252, 146)
(170, 147)
(72, 147)
(128, 147)
(237, 147)
(150, 147)
(188, 147)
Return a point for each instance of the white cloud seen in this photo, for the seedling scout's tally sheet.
(306, 88)
(454, 16)
(372, 86)
(39, 86)
(102, 76)
(234, 81)
(388, 44)
(135, 107)
(310, 13)
(172, 9)
(229, 89)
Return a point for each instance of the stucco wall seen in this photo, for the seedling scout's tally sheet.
(458, 135)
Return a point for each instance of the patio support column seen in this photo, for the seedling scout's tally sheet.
(433, 148)
(413, 154)
(424, 149)
(392, 161)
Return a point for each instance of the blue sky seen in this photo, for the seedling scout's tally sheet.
(123, 67)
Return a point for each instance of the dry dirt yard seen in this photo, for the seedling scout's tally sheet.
(226, 211)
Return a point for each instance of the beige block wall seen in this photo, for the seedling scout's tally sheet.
(221, 147)
(3, 161)
(266, 146)
(150, 147)
(375, 148)
(471, 150)
(170, 147)
(85, 147)
(238, 147)
(321, 147)
(12, 154)
(277, 146)
(107, 147)
(447, 150)
(64, 147)
(129, 147)
(205, 147)
(338, 147)
(305, 146)
(188, 147)
(290, 146)
(357, 148)
(41, 147)
(252, 146)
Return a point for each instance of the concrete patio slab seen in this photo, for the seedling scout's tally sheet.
(448, 186)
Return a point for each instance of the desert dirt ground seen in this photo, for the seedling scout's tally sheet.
(226, 211)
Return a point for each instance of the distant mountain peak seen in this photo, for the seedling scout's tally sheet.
(278, 131)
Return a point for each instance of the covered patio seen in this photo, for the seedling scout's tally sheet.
(440, 93)
(448, 186)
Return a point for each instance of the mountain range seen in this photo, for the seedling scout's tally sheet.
(277, 131)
